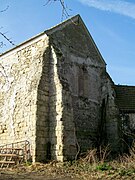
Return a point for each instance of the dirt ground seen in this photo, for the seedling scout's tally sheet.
(67, 171)
(29, 176)
(36, 172)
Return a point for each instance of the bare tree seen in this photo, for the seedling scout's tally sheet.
(1, 11)
(65, 9)
(3, 34)
(65, 14)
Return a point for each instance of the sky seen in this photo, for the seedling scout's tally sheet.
(110, 22)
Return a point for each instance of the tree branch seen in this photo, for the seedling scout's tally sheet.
(8, 39)
(65, 9)
(3, 34)
(4, 9)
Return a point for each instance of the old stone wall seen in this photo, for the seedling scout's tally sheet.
(80, 72)
(85, 100)
(20, 73)
(55, 93)
(110, 116)
(62, 130)
(127, 130)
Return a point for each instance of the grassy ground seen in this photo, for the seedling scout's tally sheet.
(77, 170)
(86, 168)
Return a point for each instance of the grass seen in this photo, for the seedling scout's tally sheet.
(93, 165)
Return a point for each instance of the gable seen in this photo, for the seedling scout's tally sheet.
(72, 35)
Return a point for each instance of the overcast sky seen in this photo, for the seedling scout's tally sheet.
(110, 22)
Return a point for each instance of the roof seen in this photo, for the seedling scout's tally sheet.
(73, 20)
(125, 97)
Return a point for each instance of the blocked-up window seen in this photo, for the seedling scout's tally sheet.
(83, 82)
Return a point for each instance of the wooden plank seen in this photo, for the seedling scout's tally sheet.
(11, 148)
(10, 155)
(7, 162)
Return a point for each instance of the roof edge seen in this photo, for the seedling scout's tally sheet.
(124, 86)
(49, 31)
(75, 19)
(72, 19)
(23, 44)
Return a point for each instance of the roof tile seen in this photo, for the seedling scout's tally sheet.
(125, 97)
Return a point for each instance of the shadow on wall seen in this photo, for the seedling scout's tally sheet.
(55, 132)
(42, 115)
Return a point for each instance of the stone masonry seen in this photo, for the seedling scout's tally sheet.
(20, 74)
(55, 93)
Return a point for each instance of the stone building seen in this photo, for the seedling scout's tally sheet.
(125, 100)
(56, 94)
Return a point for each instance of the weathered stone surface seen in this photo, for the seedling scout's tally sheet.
(55, 93)
(21, 71)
